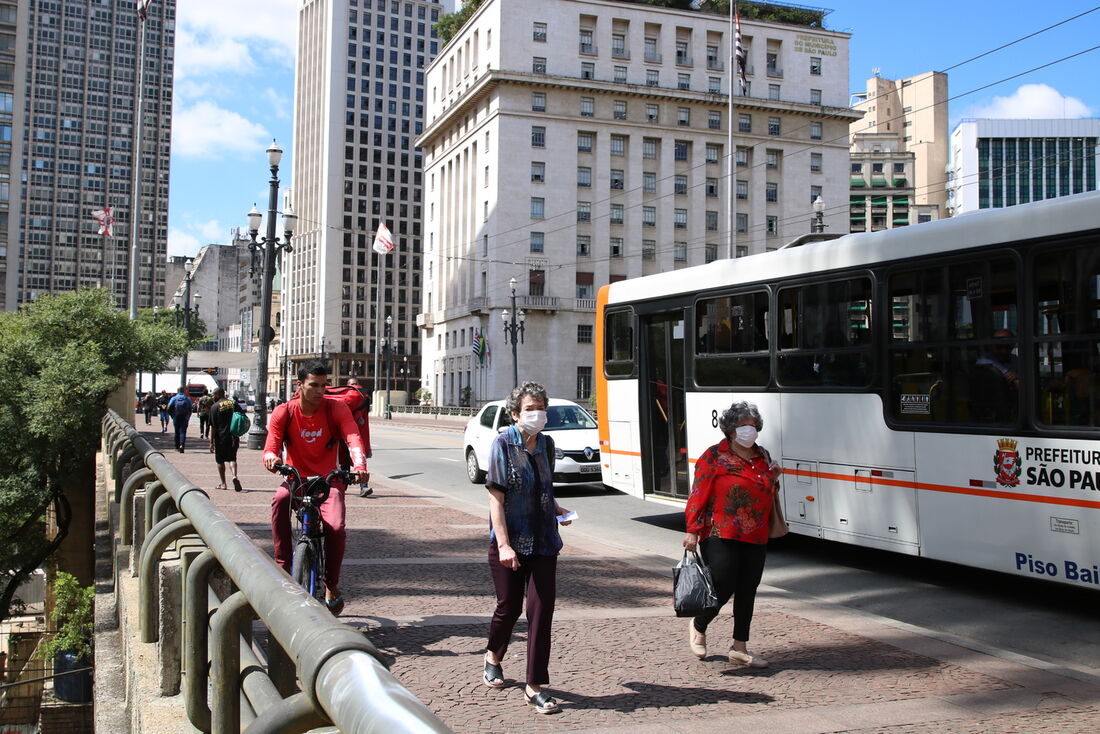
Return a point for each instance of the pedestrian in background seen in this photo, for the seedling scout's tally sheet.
(205, 402)
(223, 443)
(523, 541)
(364, 486)
(181, 407)
(730, 508)
(162, 403)
(150, 406)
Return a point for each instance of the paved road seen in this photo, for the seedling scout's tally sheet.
(1048, 621)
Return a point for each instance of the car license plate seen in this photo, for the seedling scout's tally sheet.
(590, 468)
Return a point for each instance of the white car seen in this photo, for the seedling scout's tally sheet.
(576, 441)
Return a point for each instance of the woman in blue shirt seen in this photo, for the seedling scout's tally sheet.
(523, 541)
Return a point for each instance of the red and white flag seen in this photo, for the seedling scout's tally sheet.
(143, 8)
(739, 52)
(383, 240)
(105, 218)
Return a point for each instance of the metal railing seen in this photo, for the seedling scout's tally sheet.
(433, 410)
(342, 677)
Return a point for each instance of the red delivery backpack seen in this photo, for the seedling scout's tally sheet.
(358, 403)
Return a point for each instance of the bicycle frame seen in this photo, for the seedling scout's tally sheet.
(306, 497)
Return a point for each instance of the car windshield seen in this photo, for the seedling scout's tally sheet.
(567, 418)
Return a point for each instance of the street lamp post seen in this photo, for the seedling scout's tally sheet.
(184, 314)
(266, 251)
(819, 215)
(514, 331)
(387, 351)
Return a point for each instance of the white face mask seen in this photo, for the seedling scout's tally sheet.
(531, 421)
(746, 435)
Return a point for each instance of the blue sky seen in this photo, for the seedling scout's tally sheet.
(234, 88)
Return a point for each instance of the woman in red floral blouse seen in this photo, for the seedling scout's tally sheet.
(729, 508)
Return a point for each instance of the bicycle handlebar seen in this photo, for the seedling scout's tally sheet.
(289, 471)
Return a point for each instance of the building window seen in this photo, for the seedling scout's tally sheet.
(773, 225)
(649, 182)
(652, 113)
(815, 96)
(712, 221)
(683, 116)
(742, 189)
(538, 33)
(742, 223)
(649, 216)
(536, 282)
(773, 92)
(649, 249)
(538, 172)
(743, 156)
(618, 179)
(652, 77)
(618, 145)
(586, 45)
(649, 147)
(815, 162)
(618, 109)
(616, 214)
(744, 123)
(588, 70)
(899, 168)
(772, 60)
(742, 251)
(815, 131)
(584, 142)
(714, 120)
(680, 218)
(682, 57)
(584, 383)
(857, 168)
(651, 49)
(538, 207)
(538, 102)
(772, 157)
(710, 254)
(538, 65)
(680, 150)
(616, 247)
(815, 191)
(815, 66)
(584, 177)
(714, 152)
(771, 192)
(538, 240)
(680, 184)
(588, 106)
(680, 252)
(712, 188)
(922, 218)
(683, 81)
(714, 84)
(538, 137)
(584, 245)
(773, 126)
(584, 333)
(620, 75)
(584, 211)
(618, 46)
(713, 60)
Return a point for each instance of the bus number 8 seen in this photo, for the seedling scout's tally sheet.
(714, 418)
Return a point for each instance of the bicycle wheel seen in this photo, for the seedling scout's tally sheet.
(306, 570)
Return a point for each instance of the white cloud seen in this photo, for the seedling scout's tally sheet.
(1033, 101)
(214, 35)
(206, 130)
(280, 103)
(182, 243)
(199, 55)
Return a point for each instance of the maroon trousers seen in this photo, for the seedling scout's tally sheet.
(333, 513)
(538, 576)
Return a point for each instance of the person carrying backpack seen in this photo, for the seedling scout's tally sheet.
(203, 408)
(309, 429)
(223, 442)
(181, 407)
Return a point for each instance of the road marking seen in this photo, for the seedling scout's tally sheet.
(447, 458)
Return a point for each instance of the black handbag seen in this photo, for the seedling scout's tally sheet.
(692, 586)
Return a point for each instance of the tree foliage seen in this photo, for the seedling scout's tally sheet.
(450, 23)
(74, 615)
(60, 358)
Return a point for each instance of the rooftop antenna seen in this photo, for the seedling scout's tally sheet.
(876, 71)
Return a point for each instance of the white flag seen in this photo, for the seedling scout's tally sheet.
(383, 240)
(106, 220)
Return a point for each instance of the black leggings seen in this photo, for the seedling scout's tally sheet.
(736, 568)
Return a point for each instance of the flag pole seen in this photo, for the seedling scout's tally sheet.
(731, 151)
(135, 166)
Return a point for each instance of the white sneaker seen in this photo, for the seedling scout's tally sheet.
(697, 640)
(747, 659)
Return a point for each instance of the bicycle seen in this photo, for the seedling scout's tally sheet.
(307, 565)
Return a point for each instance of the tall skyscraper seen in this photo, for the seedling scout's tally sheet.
(13, 70)
(573, 143)
(359, 105)
(76, 105)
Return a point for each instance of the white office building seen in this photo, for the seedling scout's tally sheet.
(573, 143)
(997, 163)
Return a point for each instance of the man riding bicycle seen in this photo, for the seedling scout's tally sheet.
(310, 430)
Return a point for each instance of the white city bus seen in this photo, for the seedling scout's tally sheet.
(932, 390)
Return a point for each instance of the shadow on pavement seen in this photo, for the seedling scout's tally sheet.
(648, 695)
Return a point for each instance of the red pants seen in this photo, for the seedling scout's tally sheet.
(538, 576)
(333, 512)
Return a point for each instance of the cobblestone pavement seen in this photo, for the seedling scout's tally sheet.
(419, 587)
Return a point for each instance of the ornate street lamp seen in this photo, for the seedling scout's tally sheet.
(819, 215)
(183, 315)
(265, 251)
(514, 331)
(387, 351)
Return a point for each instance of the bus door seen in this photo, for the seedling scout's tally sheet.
(664, 435)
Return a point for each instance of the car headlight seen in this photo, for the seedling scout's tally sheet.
(558, 453)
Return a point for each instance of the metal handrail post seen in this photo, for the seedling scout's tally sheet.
(225, 663)
(293, 714)
(141, 476)
(196, 605)
(163, 533)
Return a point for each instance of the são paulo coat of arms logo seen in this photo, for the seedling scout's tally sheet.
(1006, 462)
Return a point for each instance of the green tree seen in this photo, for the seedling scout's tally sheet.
(450, 23)
(60, 358)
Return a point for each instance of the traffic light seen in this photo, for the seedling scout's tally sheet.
(211, 370)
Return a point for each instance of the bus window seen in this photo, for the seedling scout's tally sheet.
(731, 341)
(825, 334)
(618, 354)
(953, 353)
(1067, 354)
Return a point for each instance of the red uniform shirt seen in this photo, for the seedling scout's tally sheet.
(731, 497)
(312, 441)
